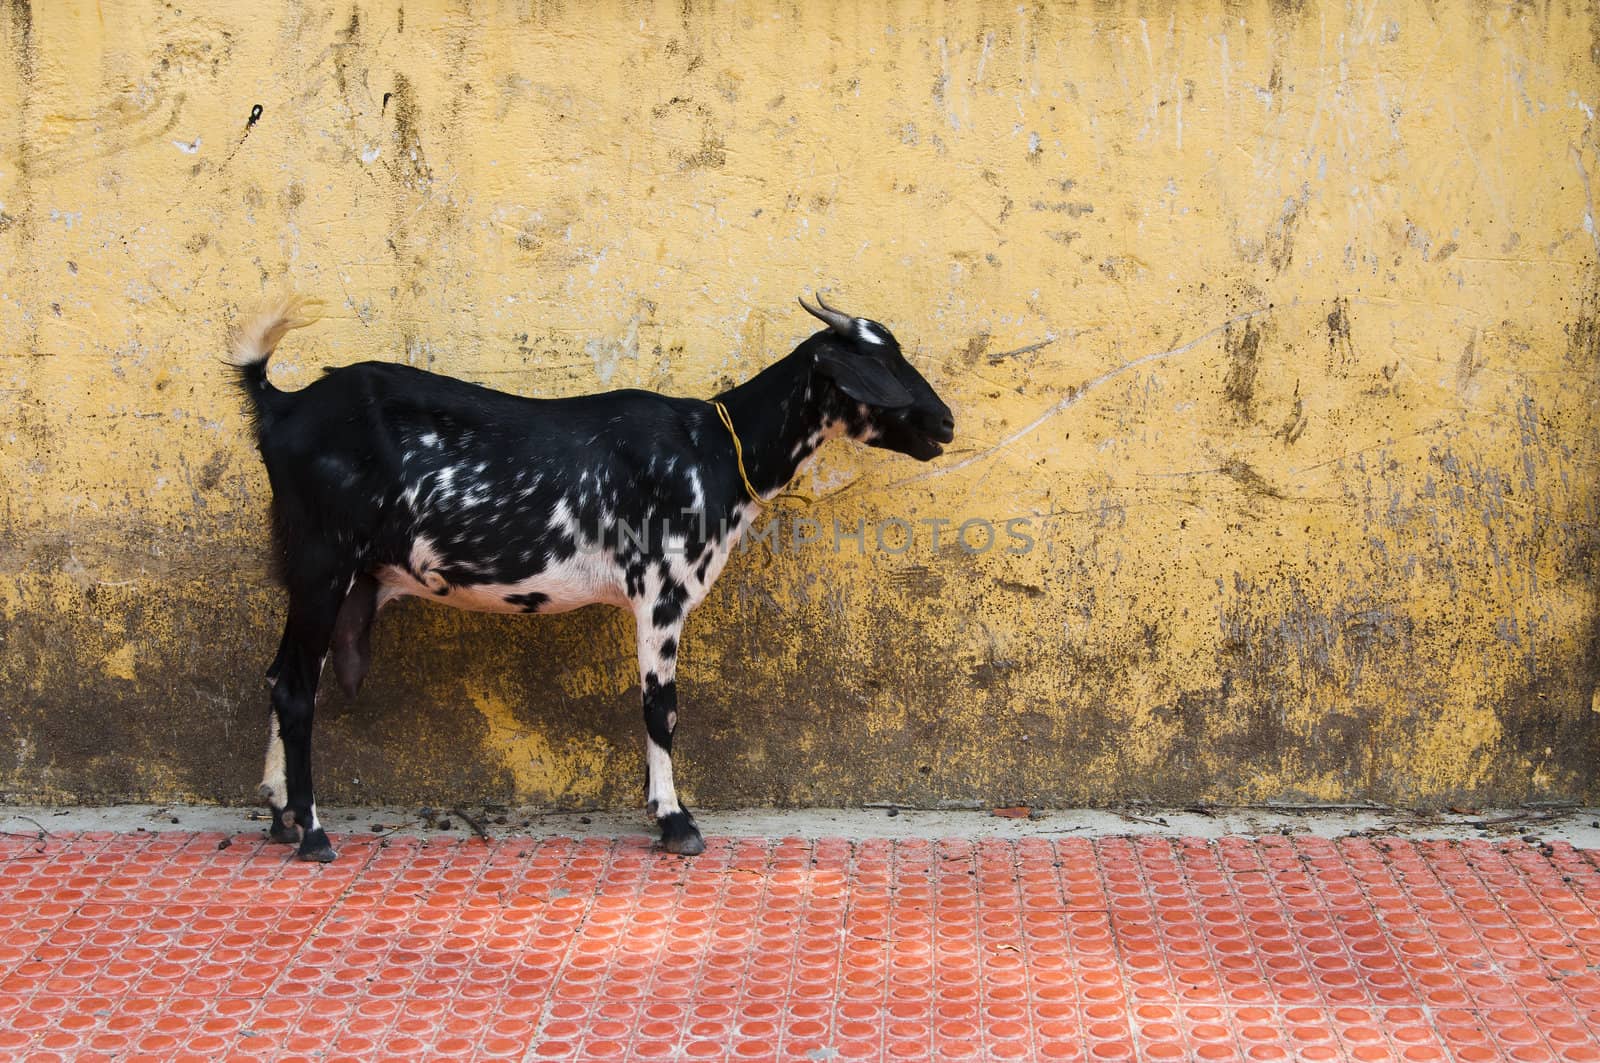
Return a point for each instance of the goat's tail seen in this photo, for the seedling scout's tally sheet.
(253, 343)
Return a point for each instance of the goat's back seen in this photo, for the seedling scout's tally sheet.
(381, 457)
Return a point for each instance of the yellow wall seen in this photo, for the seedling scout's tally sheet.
(1278, 320)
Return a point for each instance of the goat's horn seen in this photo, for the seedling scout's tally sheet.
(837, 320)
(832, 309)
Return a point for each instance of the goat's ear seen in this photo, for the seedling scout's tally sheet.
(864, 378)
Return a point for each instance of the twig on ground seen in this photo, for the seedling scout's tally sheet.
(477, 828)
(1315, 807)
(1141, 819)
(384, 831)
(25, 834)
(42, 836)
(1516, 817)
(43, 833)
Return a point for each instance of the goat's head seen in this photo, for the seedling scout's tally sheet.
(862, 359)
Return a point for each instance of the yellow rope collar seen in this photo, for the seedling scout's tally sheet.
(738, 452)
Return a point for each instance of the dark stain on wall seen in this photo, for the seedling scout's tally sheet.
(1286, 14)
(1243, 350)
(1583, 334)
(1280, 240)
(1290, 697)
(712, 154)
(413, 734)
(1245, 475)
(211, 472)
(411, 160)
(346, 46)
(1341, 348)
(20, 15)
(1295, 423)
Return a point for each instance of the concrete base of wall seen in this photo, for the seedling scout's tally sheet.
(1579, 826)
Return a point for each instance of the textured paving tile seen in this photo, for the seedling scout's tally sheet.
(160, 946)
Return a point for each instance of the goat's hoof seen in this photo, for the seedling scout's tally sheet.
(315, 848)
(679, 835)
(284, 831)
(692, 845)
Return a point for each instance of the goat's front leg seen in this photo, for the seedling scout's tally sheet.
(658, 665)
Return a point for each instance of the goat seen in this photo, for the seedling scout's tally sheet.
(388, 481)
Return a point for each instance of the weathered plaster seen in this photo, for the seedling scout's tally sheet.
(1277, 320)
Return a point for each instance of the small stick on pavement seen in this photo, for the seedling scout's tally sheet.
(43, 833)
(477, 828)
(1141, 819)
(1516, 817)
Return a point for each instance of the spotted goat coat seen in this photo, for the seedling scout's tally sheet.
(389, 481)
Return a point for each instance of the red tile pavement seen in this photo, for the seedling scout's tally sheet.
(163, 945)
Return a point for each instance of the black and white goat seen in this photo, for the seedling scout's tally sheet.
(387, 480)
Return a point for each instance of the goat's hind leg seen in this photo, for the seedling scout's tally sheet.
(313, 607)
(274, 788)
(352, 653)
